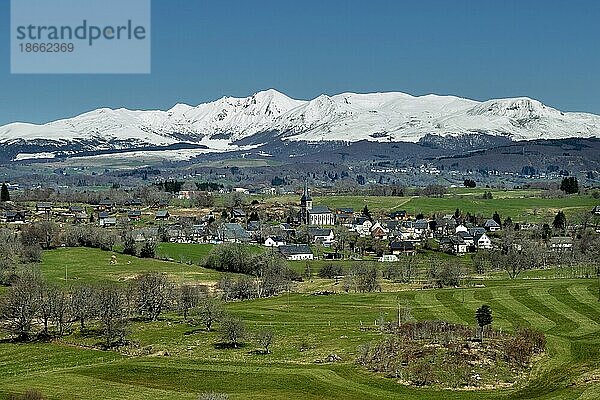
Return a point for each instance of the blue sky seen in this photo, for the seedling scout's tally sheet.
(203, 50)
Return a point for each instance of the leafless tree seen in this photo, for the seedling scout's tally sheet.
(233, 330)
(21, 304)
(45, 234)
(11, 251)
(83, 304)
(362, 278)
(189, 296)
(210, 310)
(112, 313)
(48, 297)
(62, 311)
(265, 337)
(153, 293)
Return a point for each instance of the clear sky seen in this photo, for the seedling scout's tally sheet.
(202, 50)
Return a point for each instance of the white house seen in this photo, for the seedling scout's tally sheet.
(461, 228)
(274, 241)
(561, 243)
(491, 225)
(109, 221)
(362, 226)
(483, 242)
(296, 252)
(321, 235)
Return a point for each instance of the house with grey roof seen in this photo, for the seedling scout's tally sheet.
(491, 225)
(233, 233)
(294, 252)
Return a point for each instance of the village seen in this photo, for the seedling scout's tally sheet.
(303, 232)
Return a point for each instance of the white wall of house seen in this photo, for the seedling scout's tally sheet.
(484, 242)
(296, 257)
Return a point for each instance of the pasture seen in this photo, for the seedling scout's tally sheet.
(171, 359)
(520, 205)
(68, 266)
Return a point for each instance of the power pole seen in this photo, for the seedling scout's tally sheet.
(398, 302)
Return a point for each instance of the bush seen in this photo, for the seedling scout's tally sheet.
(421, 372)
(233, 331)
(362, 278)
(148, 250)
(447, 274)
(230, 257)
(525, 344)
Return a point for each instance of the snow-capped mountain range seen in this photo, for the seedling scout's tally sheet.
(269, 115)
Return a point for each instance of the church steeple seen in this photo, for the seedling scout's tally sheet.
(306, 195)
(305, 204)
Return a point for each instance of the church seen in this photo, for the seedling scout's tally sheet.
(314, 215)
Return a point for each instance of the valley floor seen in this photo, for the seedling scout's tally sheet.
(174, 360)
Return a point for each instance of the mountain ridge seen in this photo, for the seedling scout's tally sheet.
(268, 115)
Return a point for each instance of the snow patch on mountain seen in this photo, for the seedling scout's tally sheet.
(271, 115)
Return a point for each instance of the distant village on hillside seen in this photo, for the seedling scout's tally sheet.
(299, 233)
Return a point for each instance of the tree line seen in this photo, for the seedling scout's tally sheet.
(33, 308)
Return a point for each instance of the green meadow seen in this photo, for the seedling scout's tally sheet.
(520, 205)
(68, 266)
(171, 359)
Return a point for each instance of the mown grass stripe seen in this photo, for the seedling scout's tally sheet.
(503, 316)
(534, 319)
(449, 301)
(550, 379)
(583, 325)
(586, 293)
(563, 325)
(427, 299)
(563, 294)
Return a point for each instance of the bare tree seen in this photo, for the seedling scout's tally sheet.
(83, 304)
(264, 337)
(210, 310)
(153, 293)
(112, 313)
(189, 297)
(11, 251)
(362, 278)
(20, 305)
(62, 311)
(45, 234)
(48, 295)
(233, 331)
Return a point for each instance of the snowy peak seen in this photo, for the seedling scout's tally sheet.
(519, 108)
(237, 117)
(271, 115)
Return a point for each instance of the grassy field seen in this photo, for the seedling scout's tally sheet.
(185, 253)
(192, 253)
(308, 328)
(71, 265)
(520, 205)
